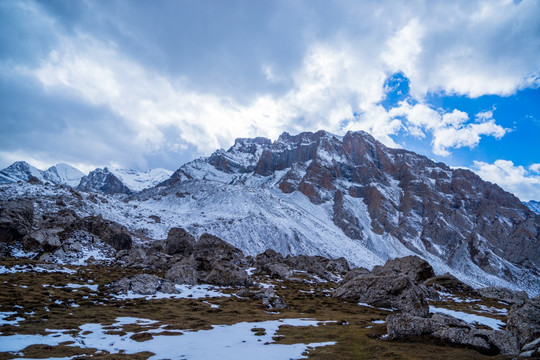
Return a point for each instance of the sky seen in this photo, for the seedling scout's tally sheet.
(145, 84)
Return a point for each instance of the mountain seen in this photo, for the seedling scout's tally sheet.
(533, 205)
(137, 180)
(317, 193)
(19, 171)
(63, 174)
(122, 181)
(58, 174)
(103, 180)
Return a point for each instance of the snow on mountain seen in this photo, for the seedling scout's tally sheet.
(58, 174)
(534, 206)
(20, 171)
(63, 174)
(137, 180)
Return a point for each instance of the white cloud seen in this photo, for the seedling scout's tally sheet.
(535, 168)
(449, 129)
(513, 178)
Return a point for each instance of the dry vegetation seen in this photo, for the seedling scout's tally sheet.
(351, 326)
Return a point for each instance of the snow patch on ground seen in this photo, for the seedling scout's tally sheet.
(186, 291)
(222, 341)
(470, 318)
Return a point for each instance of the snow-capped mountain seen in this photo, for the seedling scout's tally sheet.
(63, 174)
(122, 181)
(534, 206)
(317, 193)
(58, 174)
(139, 180)
(19, 171)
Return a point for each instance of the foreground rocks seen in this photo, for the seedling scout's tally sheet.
(143, 284)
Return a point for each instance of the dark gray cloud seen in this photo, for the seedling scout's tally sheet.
(155, 83)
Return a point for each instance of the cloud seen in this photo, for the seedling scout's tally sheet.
(513, 178)
(200, 80)
(449, 129)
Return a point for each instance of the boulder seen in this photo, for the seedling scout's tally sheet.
(503, 294)
(179, 242)
(46, 239)
(453, 331)
(210, 248)
(183, 272)
(415, 268)
(449, 283)
(531, 349)
(525, 320)
(16, 219)
(144, 284)
(390, 291)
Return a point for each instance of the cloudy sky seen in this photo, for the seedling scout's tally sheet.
(145, 84)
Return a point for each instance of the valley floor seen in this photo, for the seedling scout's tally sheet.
(49, 311)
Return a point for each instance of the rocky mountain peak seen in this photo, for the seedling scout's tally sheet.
(103, 180)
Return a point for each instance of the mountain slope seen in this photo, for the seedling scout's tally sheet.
(103, 180)
(390, 201)
(534, 206)
(137, 180)
(20, 171)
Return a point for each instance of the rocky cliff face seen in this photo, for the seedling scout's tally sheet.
(102, 180)
(431, 209)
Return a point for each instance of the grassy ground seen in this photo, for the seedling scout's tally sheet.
(51, 307)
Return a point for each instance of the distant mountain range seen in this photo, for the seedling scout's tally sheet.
(109, 181)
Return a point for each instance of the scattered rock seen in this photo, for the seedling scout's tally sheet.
(143, 284)
(503, 294)
(453, 331)
(46, 239)
(156, 219)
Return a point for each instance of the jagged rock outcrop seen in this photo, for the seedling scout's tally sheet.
(389, 291)
(453, 331)
(103, 180)
(183, 272)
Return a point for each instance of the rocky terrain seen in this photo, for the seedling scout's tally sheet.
(390, 253)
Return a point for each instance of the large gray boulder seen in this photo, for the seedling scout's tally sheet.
(179, 242)
(16, 219)
(390, 291)
(270, 299)
(453, 331)
(43, 239)
(415, 268)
